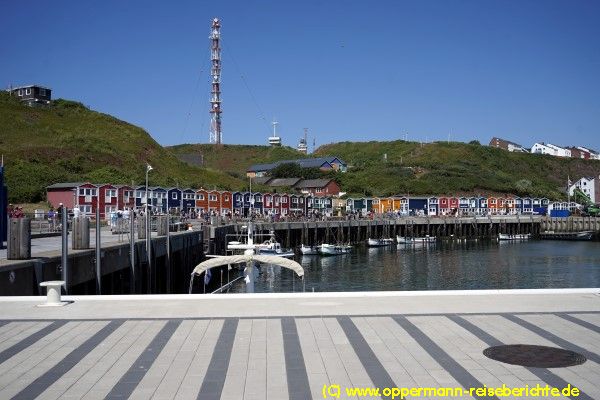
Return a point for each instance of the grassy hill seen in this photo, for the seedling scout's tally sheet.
(233, 159)
(448, 168)
(68, 142)
(413, 168)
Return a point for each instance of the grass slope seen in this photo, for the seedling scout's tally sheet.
(233, 159)
(68, 142)
(450, 168)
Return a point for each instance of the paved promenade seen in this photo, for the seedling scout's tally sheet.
(51, 246)
(291, 345)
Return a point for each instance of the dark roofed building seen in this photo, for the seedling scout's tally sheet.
(64, 193)
(261, 180)
(32, 94)
(323, 163)
(318, 187)
(281, 182)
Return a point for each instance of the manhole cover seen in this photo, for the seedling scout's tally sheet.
(534, 356)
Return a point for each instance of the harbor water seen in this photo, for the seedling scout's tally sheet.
(443, 266)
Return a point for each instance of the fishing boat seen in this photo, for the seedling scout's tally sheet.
(582, 235)
(309, 250)
(379, 242)
(520, 236)
(415, 240)
(333, 249)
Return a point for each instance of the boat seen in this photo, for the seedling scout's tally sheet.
(520, 236)
(309, 250)
(379, 242)
(268, 247)
(415, 240)
(333, 249)
(582, 235)
(273, 248)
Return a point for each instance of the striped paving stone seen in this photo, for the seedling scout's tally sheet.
(177, 358)
(198, 365)
(235, 380)
(13, 333)
(277, 386)
(313, 356)
(163, 377)
(109, 370)
(78, 381)
(275, 358)
(460, 351)
(511, 333)
(545, 375)
(593, 319)
(25, 367)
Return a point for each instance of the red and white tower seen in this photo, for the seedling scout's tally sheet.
(215, 94)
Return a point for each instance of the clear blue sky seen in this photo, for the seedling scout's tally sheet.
(347, 70)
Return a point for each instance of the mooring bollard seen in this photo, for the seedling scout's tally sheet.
(141, 227)
(162, 225)
(19, 239)
(53, 294)
(81, 233)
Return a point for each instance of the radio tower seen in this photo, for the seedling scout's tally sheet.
(215, 94)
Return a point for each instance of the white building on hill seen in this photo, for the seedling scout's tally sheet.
(589, 185)
(550, 149)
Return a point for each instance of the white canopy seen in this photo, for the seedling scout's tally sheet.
(226, 260)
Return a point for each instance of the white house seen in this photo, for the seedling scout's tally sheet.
(550, 149)
(589, 185)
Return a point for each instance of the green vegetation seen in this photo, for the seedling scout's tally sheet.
(232, 159)
(293, 170)
(399, 167)
(67, 142)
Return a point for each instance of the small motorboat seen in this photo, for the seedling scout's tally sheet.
(333, 249)
(379, 242)
(272, 247)
(309, 250)
(520, 236)
(415, 240)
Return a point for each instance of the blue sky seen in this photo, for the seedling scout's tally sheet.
(348, 70)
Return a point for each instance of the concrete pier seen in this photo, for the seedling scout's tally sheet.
(22, 277)
(292, 346)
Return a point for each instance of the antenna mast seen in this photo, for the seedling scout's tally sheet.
(215, 99)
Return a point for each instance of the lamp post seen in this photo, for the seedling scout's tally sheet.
(148, 231)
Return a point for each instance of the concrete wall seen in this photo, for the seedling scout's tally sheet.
(167, 275)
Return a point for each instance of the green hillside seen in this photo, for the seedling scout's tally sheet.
(233, 159)
(68, 142)
(448, 168)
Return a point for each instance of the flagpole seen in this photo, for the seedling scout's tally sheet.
(569, 192)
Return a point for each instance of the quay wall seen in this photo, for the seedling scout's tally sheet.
(166, 275)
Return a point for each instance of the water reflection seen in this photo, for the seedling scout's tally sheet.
(442, 266)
